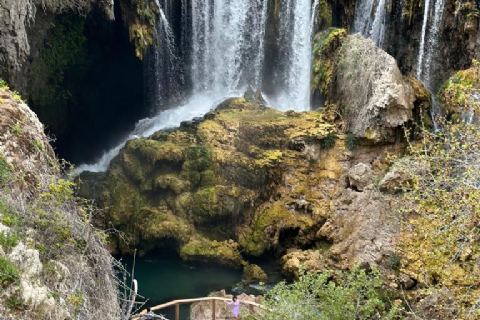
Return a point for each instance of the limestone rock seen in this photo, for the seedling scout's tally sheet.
(397, 177)
(359, 176)
(294, 261)
(15, 15)
(373, 95)
(252, 272)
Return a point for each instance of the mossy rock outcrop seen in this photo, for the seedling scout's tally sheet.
(246, 179)
(460, 97)
(207, 181)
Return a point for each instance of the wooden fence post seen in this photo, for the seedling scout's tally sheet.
(177, 312)
(213, 310)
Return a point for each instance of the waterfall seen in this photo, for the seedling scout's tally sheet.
(226, 43)
(295, 41)
(370, 20)
(163, 75)
(314, 17)
(429, 48)
(429, 45)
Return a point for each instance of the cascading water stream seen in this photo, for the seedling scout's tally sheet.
(296, 31)
(429, 48)
(370, 20)
(226, 41)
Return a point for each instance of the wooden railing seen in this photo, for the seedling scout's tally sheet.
(177, 303)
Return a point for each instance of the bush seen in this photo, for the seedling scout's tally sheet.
(3, 84)
(4, 171)
(9, 273)
(329, 141)
(8, 240)
(395, 262)
(351, 142)
(354, 294)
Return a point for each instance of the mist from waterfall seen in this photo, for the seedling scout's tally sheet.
(226, 42)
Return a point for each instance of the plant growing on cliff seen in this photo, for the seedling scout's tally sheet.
(440, 243)
(461, 93)
(330, 295)
(9, 273)
(329, 141)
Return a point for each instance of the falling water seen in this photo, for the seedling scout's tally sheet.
(164, 77)
(226, 41)
(370, 20)
(429, 48)
(429, 45)
(228, 45)
(296, 43)
(314, 17)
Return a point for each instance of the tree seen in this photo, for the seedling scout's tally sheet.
(329, 295)
(440, 203)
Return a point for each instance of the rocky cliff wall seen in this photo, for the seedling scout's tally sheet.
(53, 264)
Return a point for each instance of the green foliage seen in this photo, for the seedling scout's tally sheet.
(8, 240)
(3, 84)
(324, 49)
(395, 262)
(9, 273)
(17, 129)
(4, 171)
(9, 217)
(76, 300)
(15, 302)
(440, 248)
(458, 93)
(17, 97)
(353, 294)
(329, 141)
(64, 49)
(351, 141)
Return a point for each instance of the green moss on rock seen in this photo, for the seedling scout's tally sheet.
(325, 49)
(252, 273)
(265, 230)
(225, 252)
(459, 95)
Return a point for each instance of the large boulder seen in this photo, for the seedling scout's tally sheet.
(364, 88)
(373, 95)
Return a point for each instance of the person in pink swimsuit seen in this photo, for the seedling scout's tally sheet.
(236, 307)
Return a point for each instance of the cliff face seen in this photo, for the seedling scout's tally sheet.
(53, 264)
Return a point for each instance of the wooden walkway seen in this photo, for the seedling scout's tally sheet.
(177, 303)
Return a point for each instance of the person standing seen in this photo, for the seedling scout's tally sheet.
(236, 307)
(150, 315)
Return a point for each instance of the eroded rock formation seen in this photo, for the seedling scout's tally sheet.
(52, 263)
